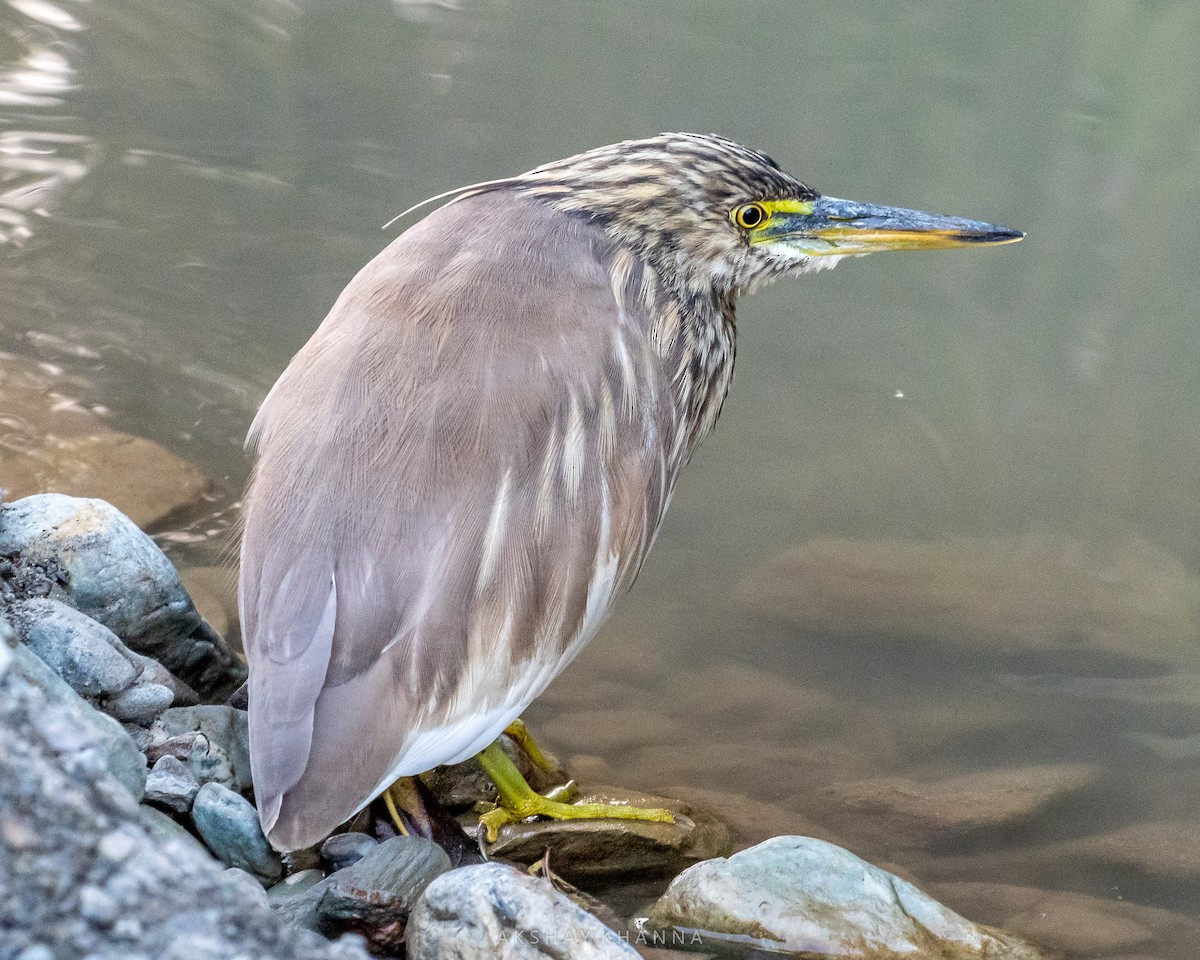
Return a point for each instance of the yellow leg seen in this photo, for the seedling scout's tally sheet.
(517, 800)
(390, 803)
(520, 733)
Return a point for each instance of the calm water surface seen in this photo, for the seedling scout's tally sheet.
(184, 189)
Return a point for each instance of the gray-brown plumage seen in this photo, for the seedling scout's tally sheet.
(470, 458)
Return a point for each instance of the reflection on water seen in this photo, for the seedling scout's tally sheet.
(946, 526)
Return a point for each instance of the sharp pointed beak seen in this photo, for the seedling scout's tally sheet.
(845, 228)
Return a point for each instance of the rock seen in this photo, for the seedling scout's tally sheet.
(81, 735)
(115, 574)
(215, 741)
(141, 704)
(164, 831)
(228, 825)
(375, 896)
(751, 821)
(1163, 850)
(1074, 923)
(84, 653)
(588, 849)
(171, 784)
(248, 887)
(83, 877)
(293, 885)
(343, 849)
(807, 896)
(492, 910)
(998, 595)
(966, 804)
(462, 785)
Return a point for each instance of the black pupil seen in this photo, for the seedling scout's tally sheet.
(752, 216)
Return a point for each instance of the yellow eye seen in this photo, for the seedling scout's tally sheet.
(750, 215)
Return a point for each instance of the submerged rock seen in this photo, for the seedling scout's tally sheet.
(115, 574)
(966, 804)
(228, 825)
(802, 895)
(588, 849)
(999, 595)
(492, 910)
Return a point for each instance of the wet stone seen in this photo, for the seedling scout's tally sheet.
(807, 896)
(228, 825)
(343, 849)
(589, 849)
(170, 784)
(491, 910)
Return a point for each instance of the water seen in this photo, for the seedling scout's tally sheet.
(185, 188)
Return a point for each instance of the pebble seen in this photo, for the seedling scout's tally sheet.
(171, 784)
(249, 890)
(492, 910)
(141, 704)
(343, 849)
(808, 896)
(228, 824)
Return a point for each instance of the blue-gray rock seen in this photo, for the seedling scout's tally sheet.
(86, 654)
(115, 574)
(803, 895)
(491, 910)
(249, 889)
(343, 849)
(220, 750)
(171, 784)
(229, 827)
(141, 704)
(85, 738)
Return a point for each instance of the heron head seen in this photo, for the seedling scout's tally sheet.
(715, 215)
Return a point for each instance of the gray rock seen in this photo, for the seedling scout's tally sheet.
(343, 849)
(141, 704)
(119, 577)
(83, 652)
(804, 895)
(85, 738)
(171, 784)
(83, 877)
(229, 827)
(218, 750)
(491, 910)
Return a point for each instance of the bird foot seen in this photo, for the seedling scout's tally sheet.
(524, 739)
(556, 808)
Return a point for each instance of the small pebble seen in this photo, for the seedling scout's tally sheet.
(343, 849)
(141, 703)
(229, 826)
(171, 784)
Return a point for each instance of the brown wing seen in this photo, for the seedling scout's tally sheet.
(455, 476)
